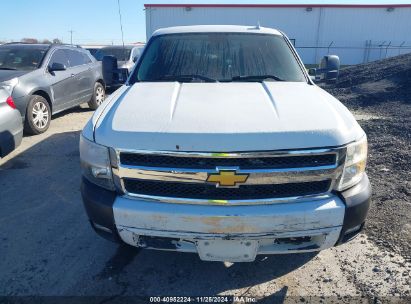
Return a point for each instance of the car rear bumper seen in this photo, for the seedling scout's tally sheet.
(11, 131)
(274, 228)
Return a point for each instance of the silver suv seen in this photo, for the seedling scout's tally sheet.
(45, 79)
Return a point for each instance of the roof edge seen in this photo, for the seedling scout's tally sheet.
(280, 5)
(215, 29)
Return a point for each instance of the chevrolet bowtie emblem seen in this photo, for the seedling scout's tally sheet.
(227, 178)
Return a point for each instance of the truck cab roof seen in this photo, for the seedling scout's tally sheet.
(216, 29)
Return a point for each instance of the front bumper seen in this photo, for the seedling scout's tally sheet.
(276, 228)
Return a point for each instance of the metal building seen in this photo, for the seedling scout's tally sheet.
(357, 33)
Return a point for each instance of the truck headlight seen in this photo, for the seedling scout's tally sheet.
(355, 161)
(95, 163)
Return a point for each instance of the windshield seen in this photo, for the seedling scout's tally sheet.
(21, 58)
(218, 57)
(122, 54)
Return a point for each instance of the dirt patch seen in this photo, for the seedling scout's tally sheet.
(379, 94)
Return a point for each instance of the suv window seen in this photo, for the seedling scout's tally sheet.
(218, 56)
(76, 58)
(59, 56)
(86, 58)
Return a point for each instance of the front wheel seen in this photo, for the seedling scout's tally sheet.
(99, 95)
(38, 115)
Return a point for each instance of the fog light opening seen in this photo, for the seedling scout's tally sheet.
(293, 240)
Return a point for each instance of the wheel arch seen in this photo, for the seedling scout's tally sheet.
(101, 81)
(45, 95)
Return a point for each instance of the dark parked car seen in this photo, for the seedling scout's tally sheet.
(126, 56)
(93, 50)
(46, 79)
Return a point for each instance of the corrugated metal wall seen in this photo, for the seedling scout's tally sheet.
(355, 34)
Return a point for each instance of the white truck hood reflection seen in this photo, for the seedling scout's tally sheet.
(225, 117)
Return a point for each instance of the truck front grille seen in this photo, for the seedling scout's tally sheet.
(211, 192)
(195, 177)
(278, 162)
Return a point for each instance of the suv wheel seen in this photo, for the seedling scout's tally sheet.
(98, 96)
(38, 115)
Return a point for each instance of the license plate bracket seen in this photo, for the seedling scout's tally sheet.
(227, 250)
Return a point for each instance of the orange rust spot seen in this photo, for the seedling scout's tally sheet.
(218, 225)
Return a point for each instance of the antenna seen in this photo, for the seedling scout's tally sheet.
(121, 23)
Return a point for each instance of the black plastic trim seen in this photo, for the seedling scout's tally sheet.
(211, 192)
(257, 162)
(357, 200)
(98, 203)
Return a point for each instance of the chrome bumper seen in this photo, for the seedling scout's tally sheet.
(273, 229)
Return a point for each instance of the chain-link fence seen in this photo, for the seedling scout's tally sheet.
(354, 54)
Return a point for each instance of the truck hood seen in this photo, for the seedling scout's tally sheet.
(224, 117)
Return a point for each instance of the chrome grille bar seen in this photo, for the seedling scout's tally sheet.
(256, 177)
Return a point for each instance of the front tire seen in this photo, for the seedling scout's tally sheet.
(99, 95)
(38, 115)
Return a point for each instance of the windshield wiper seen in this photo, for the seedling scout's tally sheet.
(256, 78)
(11, 69)
(185, 78)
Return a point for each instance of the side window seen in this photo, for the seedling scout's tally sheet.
(86, 58)
(59, 56)
(76, 58)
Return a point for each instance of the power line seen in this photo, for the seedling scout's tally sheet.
(121, 23)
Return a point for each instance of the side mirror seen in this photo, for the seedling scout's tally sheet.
(112, 75)
(330, 68)
(109, 67)
(57, 67)
(135, 58)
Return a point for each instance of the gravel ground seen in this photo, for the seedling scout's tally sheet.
(48, 249)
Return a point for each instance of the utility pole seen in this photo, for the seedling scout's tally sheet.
(71, 36)
(121, 22)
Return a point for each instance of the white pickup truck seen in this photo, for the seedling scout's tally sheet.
(220, 144)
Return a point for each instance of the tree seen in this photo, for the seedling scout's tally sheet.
(46, 41)
(29, 40)
(57, 41)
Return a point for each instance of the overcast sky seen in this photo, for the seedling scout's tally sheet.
(96, 21)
